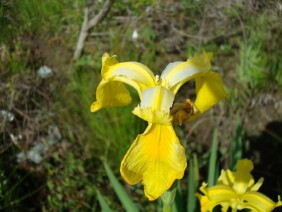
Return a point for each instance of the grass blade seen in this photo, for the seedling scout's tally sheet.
(193, 181)
(178, 202)
(191, 203)
(236, 144)
(213, 159)
(121, 193)
(104, 205)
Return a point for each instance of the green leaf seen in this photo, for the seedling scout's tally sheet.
(104, 205)
(178, 205)
(121, 193)
(237, 144)
(212, 162)
(193, 181)
(191, 203)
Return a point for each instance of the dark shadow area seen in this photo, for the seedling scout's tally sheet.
(266, 154)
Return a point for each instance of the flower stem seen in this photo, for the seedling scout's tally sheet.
(167, 208)
(168, 198)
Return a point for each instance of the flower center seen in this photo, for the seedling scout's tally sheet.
(181, 112)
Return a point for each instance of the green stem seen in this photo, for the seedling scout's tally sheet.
(234, 210)
(168, 198)
(167, 208)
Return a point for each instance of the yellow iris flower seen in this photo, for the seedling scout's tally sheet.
(237, 190)
(156, 157)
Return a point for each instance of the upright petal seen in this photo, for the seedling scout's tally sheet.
(155, 105)
(243, 178)
(178, 73)
(209, 90)
(156, 158)
(209, 85)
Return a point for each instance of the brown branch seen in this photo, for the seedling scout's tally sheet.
(88, 24)
(101, 15)
(205, 40)
(82, 35)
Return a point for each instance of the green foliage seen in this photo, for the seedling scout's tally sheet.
(193, 183)
(123, 125)
(33, 14)
(119, 190)
(15, 60)
(213, 164)
(104, 205)
(67, 181)
(12, 195)
(136, 7)
(251, 69)
(3, 184)
(260, 67)
(236, 144)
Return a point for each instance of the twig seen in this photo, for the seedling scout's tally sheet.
(216, 38)
(22, 114)
(101, 15)
(88, 24)
(94, 34)
(82, 35)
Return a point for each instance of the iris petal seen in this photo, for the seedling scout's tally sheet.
(111, 91)
(243, 176)
(105, 97)
(178, 73)
(134, 74)
(226, 177)
(236, 190)
(258, 201)
(155, 105)
(215, 195)
(209, 90)
(156, 158)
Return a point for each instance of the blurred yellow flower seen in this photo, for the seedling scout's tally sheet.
(156, 157)
(237, 190)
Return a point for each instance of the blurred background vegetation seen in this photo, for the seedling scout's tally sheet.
(52, 149)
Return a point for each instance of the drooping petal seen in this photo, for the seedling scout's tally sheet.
(258, 202)
(134, 74)
(209, 90)
(178, 73)
(156, 158)
(110, 93)
(215, 195)
(155, 105)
